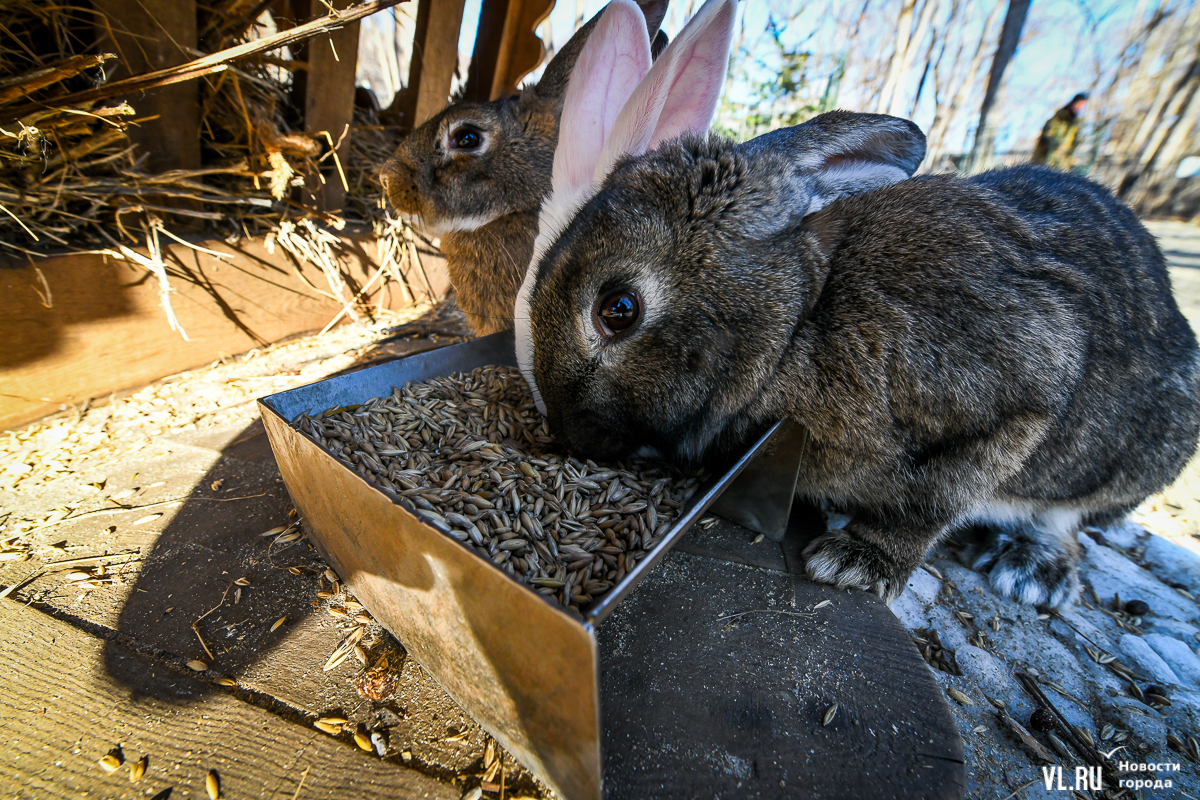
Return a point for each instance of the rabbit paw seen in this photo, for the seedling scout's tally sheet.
(1030, 566)
(844, 560)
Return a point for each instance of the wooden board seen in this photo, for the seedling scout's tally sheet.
(62, 710)
(718, 670)
(150, 35)
(434, 61)
(105, 330)
(326, 93)
(186, 559)
(506, 47)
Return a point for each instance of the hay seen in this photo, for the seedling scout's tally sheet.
(71, 179)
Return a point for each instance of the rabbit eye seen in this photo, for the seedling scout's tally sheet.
(466, 139)
(619, 311)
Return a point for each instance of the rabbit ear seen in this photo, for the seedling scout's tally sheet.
(842, 152)
(608, 113)
(862, 152)
(556, 77)
(608, 69)
(679, 94)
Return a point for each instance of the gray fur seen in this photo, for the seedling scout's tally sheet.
(1002, 351)
(503, 186)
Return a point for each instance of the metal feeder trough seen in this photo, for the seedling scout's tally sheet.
(527, 671)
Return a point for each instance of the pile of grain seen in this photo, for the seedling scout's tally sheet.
(470, 455)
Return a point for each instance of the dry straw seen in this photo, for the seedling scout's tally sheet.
(72, 180)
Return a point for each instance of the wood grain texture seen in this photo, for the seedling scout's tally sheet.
(716, 676)
(328, 89)
(61, 711)
(434, 60)
(151, 35)
(105, 329)
(186, 560)
(506, 47)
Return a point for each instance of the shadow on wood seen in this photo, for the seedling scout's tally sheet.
(719, 671)
(54, 737)
(84, 325)
(506, 47)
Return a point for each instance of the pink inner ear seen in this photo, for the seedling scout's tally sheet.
(698, 80)
(609, 68)
(680, 92)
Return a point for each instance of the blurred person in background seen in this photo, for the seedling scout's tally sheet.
(1056, 146)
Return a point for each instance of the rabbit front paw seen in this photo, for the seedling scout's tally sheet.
(1030, 566)
(842, 559)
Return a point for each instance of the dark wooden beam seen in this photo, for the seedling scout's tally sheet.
(325, 94)
(506, 47)
(434, 62)
(151, 35)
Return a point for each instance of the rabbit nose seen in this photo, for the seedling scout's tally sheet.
(397, 186)
(399, 168)
(398, 176)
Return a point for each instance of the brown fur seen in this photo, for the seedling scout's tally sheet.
(504, 184)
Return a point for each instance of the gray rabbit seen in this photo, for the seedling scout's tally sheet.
(1001, 352)
(476, 173)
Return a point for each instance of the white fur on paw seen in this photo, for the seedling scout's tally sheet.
(1020, 584)
(1029, 571)
(827, 561)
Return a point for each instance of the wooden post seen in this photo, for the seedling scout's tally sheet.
(150, 35)
(434, 60)
(325, 91)
(506, 47)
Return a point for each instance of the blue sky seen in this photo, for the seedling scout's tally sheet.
(1050, 66)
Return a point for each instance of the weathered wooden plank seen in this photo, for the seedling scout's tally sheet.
(151, 35)
(105, 330)
(326, 93)
(62, 709)
(185, 561)
(506, 47)
(434, 61)
(716, 677)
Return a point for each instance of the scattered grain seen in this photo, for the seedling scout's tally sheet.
(332, 728)
(470, 455)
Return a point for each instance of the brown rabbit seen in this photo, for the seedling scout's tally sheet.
(476, 174)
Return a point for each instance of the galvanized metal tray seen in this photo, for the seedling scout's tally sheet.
(526, 670)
